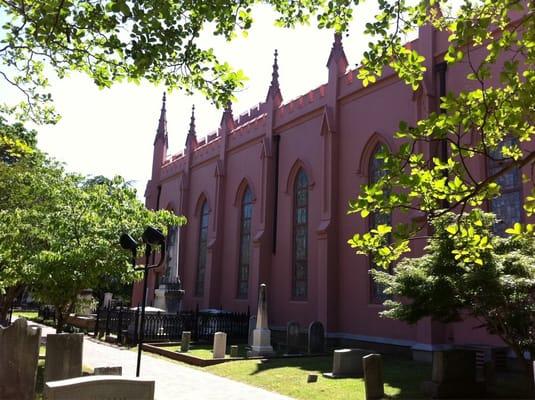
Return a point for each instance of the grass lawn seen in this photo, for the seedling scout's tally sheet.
(289, 377)
(25, 314)
(403, 377)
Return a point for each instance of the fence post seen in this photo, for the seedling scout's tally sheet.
(108, 321)
(120, 326)
(136, 325)
(97, 323)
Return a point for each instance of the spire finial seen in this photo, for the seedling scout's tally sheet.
(162, 123)
(192, 121)
(191, 139)
(275, 73)
(274, 88)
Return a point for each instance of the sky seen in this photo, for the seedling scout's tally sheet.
(111, 132)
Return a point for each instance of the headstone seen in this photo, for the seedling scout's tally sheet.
(347, 363)
(252, 326)
(184, 343)
(108, 371)
(454, 375)
(100, 387)
(292, 337)
(312, 378)
(373, 376)
(85, 302)
(106, 303)
(63, 356)
(220, 344)
(19, 353)
(316, 338)
(234, 351)
(262, 334)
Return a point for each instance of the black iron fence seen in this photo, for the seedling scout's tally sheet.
(124, 324)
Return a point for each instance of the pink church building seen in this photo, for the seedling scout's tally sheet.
(266, 201)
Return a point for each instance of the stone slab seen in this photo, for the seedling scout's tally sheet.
(220, 344)
(347, 363)
(373, 376)
(63, 356)
(19, 354)
(100, 388)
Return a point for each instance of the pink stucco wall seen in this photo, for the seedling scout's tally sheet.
(330, 132)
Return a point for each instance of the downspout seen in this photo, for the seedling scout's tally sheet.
(276, 140)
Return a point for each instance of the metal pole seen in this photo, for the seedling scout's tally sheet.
(142, 323)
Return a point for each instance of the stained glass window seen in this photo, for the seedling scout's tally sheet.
(202, 250)
(245, 244)
(376, 172)
(507, 206)
(300, 237)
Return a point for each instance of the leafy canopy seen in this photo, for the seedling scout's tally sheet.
(113, 40)
(489, 124)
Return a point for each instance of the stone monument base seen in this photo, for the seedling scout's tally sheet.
(261, 343)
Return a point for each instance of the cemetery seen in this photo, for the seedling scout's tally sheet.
(364, 231)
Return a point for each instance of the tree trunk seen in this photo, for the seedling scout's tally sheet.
(60, 322)
(6, 300)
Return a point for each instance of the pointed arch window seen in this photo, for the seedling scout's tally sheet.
(202, 249)
(507, 206)
(245, 244)
(376, 172)
(300, 237)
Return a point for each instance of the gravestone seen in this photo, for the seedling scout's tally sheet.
(292, 337)
(454, 375)
(106, 303)
(373, 376)
(252, 326)
(220, 344)
(316, 338)
(234, 351)
(347, 363)
(19, 353)
(63, 356)
(100, 388)
(184, 343)
(108, 371)
(262, 334)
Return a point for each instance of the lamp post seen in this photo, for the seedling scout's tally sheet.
(151, 237)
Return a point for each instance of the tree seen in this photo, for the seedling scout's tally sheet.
(113, 40)
(82, 234)
(500, 293)
(59, 232)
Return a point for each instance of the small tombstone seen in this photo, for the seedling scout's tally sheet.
(108, 371)
(373, 376)
(312, 378)
(234, 351)
(19, 353)
(220, 344)
(347, 363)
(107, 300)
(454, 375)
(100, 387)
(184, 343)
(316, 338)
(63, 356)
(292, 337)
(252, 326)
